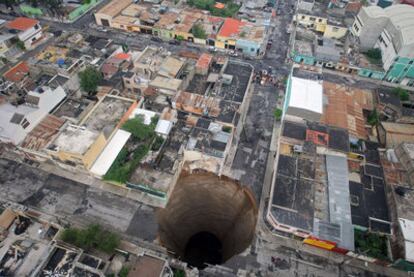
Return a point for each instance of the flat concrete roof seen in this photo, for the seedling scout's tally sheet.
(74, 139)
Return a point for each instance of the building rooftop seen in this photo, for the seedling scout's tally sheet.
(110, 152)
(147, 266)
(106, 114)
(170, 67)
(306, 94)
(344, 108)
(18, 72)
(397, 133)
(74, 139)
(166, 83)
(18, 121)
(400, 15)
(204, 61)
(115, 7)
(43, 133)
(231, 27)
(22, 23)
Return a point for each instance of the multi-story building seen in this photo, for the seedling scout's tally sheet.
(28, 30)
(392, 31)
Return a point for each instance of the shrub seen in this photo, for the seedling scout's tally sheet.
(91, 237)
(198, 31)
(278, 114)
(138, 129)
(226, 129)
(89, 79)
(373, 118)
(402, 93)
(156, 145)
(123, 272)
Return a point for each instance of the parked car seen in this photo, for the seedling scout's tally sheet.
(234, 53)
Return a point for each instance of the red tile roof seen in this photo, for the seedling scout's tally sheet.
(204, 61)
(219, 5)
(230, 27)
(17, 73)
(22, 23)
(122, 56)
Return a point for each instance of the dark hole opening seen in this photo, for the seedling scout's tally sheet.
(203, 248)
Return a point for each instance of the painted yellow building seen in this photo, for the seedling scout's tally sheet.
(336, 32)
(321, 25)
(77, 146)
(313, 22)
(80, 145)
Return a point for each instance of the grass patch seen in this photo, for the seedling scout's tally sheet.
(137, 147)
(372, 245)
(93, 237)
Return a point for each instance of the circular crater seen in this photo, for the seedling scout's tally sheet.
(208, 219)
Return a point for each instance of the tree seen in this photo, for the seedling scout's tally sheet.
(20, 45)
(89, 79)
(123, 272)
(373, 118)
(402, 93)
(198, 31)
(91, 237)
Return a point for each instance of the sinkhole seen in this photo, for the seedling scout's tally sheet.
(208, 219)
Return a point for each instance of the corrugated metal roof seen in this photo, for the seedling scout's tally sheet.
(339, 201)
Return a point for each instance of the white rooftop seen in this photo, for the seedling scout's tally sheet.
(163, 127)
(74, 139)
(146, 114)
(17, 121)
(306, 94)
(407, 228)
(110, 152)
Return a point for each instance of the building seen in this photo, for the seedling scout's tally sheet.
(18, 120)
(148, 266)
(327, 27)
(392, 134)
(5, 43)
(18, 74)
(80, 145)
(306, 5)
(392, 31)
(304, 99)
(106, 15)
(28, 30)
(405, 154)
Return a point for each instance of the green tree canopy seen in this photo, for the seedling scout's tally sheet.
(89, 79)
(373, 118)
(93, 237)
(198, 31)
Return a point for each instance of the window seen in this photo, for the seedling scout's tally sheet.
(411, 62)
(25, 123)
(312, 18)
(36, 27)
(320, 20)
(303, 17)
(356, 27)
